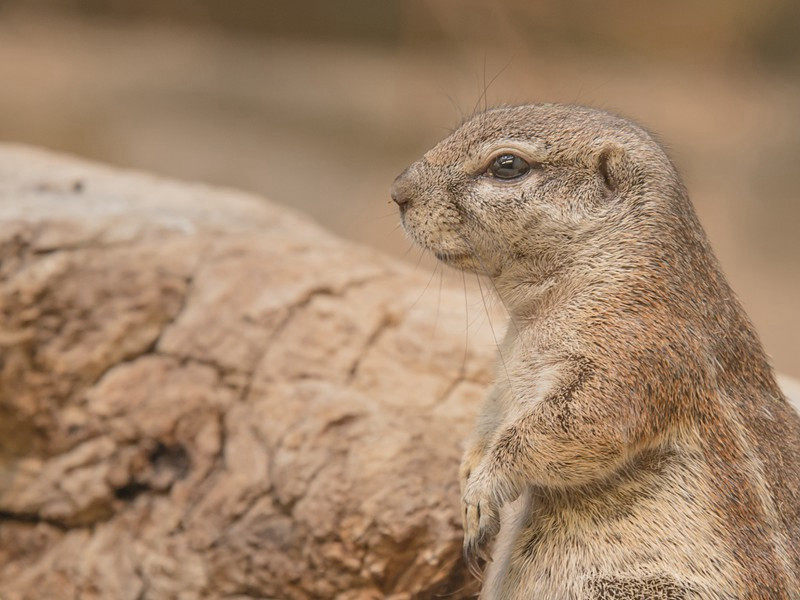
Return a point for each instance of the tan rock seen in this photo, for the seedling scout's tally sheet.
(203, 395)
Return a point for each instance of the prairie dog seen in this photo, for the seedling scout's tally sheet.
(635, 443)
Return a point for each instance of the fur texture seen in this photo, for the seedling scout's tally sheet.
(635, 443)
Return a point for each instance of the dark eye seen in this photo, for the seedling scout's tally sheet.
(508, 166)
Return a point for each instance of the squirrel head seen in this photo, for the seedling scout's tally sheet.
(528, 182)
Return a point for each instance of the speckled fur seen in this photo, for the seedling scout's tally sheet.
(635, 443)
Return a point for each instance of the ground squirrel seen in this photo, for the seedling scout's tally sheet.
(635, 443)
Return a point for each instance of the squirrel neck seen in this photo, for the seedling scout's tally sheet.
(614, 262)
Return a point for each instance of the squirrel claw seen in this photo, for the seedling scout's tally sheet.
(481, 524)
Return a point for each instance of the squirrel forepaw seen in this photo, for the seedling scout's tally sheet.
(481, 515)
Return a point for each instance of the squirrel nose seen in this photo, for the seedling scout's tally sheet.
(400, 192)
(399, 197)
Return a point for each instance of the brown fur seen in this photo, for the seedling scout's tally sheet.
(635, 443)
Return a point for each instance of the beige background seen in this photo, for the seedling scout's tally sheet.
(320, 105)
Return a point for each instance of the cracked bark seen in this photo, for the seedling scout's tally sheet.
(372, 340)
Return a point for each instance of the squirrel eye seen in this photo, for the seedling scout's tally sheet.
(508, 166)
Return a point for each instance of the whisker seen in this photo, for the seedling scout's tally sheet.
(475, 320)
(491, 327)
(485, 87)
(466, 330)
(484, 96)
(373, 219)
(438, 301)
(419, 260)
(427, 285)
(456, 106)
(511, 318)
(453, 593)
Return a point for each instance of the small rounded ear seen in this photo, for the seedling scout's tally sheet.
(611, 168)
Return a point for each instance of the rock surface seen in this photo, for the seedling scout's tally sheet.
(205, 396)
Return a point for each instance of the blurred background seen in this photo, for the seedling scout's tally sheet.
(319, 104)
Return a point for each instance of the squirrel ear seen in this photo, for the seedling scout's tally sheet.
(610, 166)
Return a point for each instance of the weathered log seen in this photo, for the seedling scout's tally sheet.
(205, 395)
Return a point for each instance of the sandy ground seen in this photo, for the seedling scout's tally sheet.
(325, 127)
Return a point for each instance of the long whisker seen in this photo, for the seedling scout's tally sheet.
(473, 220)
(427, 285)
(484, 96)
(457, 107)
(491, 327)
(466, 329)
(419, 260)
(374, 218)
(438, 301)
(511, 318)
(453, 593)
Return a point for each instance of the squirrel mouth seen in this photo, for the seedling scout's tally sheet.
(450, 256)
